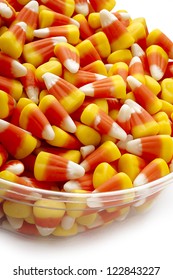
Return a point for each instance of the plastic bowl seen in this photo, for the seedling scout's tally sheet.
(40, 212)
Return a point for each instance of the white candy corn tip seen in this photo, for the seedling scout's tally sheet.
(156, 72)
(99, 77)
(67, 222)
(68, 125)
(107, 18)
(134, 147)
(23, 25)
(3, 125)
(48, 133)
(86, 150)
(71, 186)
(32, 93)
(134, 107)
(124, 113)
(137, 50)
(16, 223)
(32, 6)
(82, 8)
(88, 89)
(41, 33)
(45, 231)
(71, 65)
(117, 132)
(16, 168)
(134, 60)
(74, 170)
(18, 70)
(5, 11)
(58, 39)
(50, 79)
(141, 179)
(133, 82)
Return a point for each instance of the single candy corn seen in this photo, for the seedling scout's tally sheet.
(23, 142)
(11, 86)
(49, 18)
(29, 15)
(70, 32)
(3, 155)
(130, 164)
(95, 117)
(56, 114)
(102, 173)
(145, 97)
(47, 215)
(138, 51)
(32, 119)
(63, 139)
(157, 37)
(86, 150)
(11, 67)
(70, 97)
(7, 12)
(151, 147)
(83, 183)
(30, 83)
(63, 7)
(113, 86)
(107, 152)
(136, 69)
(84, 29)
(142, 123)
(105, 4)
(157, 61)
(156, 169)
(119, 181)
(7, 105)
(16, 34)
(68, 56)
(88, 53)
(16, 210)
(117, 34)
(38, 52)
(81, 78)
(82, 7)
(152, 84)
(50, 167)
(87, 135)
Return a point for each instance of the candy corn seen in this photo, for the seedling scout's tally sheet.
(23, 142)
(50, 167)
(150, 147)
(107, 152)
(68, 56)
(82, 7)
(117, 34)
(64, 7)
(99, 120)
(32, 119)
(70, 97)
(56, 114)
(11, 67)
(16, 34)
(7, 105)
(156, 169)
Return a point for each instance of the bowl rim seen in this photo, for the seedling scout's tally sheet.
(156, 185)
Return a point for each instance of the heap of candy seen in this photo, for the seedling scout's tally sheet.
(86, 106)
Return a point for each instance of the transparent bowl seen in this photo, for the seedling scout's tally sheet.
(38, 212)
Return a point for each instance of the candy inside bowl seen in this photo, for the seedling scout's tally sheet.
(86, 115)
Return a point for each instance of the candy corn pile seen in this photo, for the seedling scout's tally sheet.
(86, 106)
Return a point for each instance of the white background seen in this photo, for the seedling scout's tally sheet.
(143, 240)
